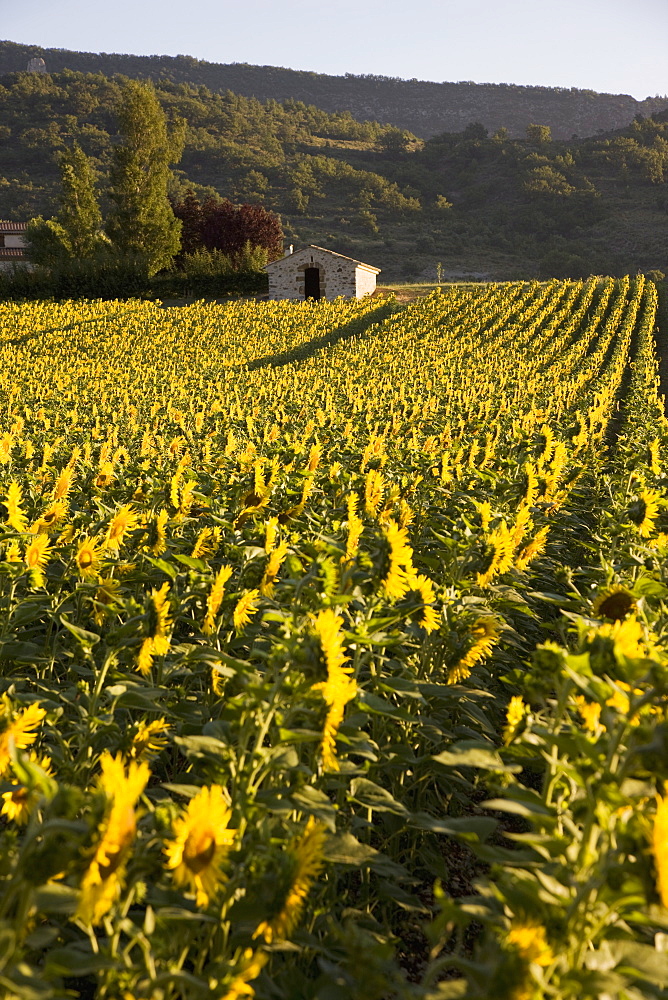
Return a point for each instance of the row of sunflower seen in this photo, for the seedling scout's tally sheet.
(311, 612)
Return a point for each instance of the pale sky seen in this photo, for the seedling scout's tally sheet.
(613, 46)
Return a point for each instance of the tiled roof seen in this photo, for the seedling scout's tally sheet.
(15, 252)
(12, 227)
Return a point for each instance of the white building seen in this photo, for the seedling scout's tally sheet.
(12, 242)
(316, 273)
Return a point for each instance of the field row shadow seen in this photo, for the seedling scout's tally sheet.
(354, 328)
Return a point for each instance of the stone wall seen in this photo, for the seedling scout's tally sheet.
(338, 276)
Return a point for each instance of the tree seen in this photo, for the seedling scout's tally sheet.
(142, 223)
(189, 211)
(538, 134)
(395, 140)
(76, 232)
(221, 225)
(475, 130)
(442, 203)
(80, 215)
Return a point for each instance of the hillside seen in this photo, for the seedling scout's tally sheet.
(491, 206)
(422, 107)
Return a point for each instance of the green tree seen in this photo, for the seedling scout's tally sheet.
(395, 140)
(142, 223)
(475, 130)
(80, 215)
(538, 134)
(76, 232)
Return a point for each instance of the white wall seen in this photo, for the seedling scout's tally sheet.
(365, 282)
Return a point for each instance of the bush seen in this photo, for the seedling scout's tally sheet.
(204, 273)
(106, 277)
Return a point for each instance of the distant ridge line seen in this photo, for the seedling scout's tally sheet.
(424, 108)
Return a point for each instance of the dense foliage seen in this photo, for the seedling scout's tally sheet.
(476, 203)
(141, 222)
(218, 224)
(422, 107)
(333, 651)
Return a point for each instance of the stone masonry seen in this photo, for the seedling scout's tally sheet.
(318, 273)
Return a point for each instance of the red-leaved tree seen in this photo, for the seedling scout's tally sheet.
(222, 225)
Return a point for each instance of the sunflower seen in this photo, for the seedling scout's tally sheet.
(339, 688)
(654, 457)
(88, 557)
(645, 510)
(149, 738)
(660, 847)
(54, 514)
(125, 519)
(202, 840)
(314, 457)
(103, 879)
(373, 491)
(64, 483)
(36, 557)
(621, 700)
(484, 509)
(250, 967)
(423, 587)
(485, 633)
(245, 609)
(20, 802)
(105, 597)
(274, 563)
(16, 518)
(13, 552)
(159, 624)
(628, 637)
(396, 583)
(270, 534)
(533, 549)
(616, 603)
(590, 713)
(514, 715)
(500, 559)
(355, 527)
(105, 475)
(529, 940)
(207, 543)
(306, 854)
(215, 598)
(20, 731)
(156, 543)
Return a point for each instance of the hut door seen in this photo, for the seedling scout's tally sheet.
(312, 283)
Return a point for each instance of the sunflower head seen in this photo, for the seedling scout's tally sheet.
(645, 510)
(88, 557)
(615, 603)
(202, 841)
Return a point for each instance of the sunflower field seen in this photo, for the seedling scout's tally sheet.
(334, 648)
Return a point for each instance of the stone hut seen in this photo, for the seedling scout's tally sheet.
(316, 273)
(12, 243)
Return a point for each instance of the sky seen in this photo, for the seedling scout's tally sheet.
(611, 46)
